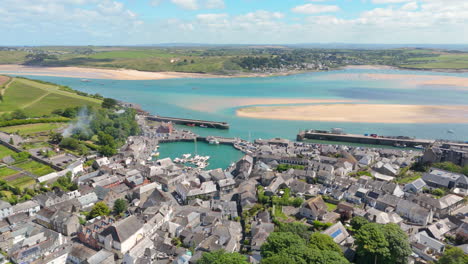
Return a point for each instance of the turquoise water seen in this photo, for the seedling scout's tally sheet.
(221, 156)
(215, 99)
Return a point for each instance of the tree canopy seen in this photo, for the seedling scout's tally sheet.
(376, 243)
(120, 206)
(222, 257)
(287, 247)
(99, 209)
(453, 255)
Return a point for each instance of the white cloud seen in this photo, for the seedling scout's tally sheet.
(410, 6)
(390, 1)
(315, 9)
(214, 4)
(186, 4)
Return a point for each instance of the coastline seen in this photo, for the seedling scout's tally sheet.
(129, 74)
(362, 113)
(122, 74)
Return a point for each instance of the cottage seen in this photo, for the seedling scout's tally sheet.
(415, 186)
(314, 208)
(123, 235)
(339, 234)
(414, 212)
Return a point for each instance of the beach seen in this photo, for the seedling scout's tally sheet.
(362, 113)
(409, 80)
(98, 73)
(213, 104)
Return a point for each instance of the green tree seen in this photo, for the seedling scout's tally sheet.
(222, 257)
(107, 151)
(120, 206)
(106, 140)
(297, 228)
(357, 222)
(278, 242)
(69, 143)
(453, 255)
(99, 209)
(372, 246)
(398, 244)
(438, 192)
(323, 242)
(55, 138)
(109, 103)
(19, 114)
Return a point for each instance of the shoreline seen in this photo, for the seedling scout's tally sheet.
(129, 74)
(362, 113)
(122, 73)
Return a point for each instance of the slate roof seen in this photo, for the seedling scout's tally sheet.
(123, 229)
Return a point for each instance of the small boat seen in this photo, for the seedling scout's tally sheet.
(85, 80)
(203, 126)
(213, 141)
(190, 125)
(186, 156)
(450, 131)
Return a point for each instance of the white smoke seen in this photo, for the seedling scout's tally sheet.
(83, 119)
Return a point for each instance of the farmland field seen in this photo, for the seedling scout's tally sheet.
(443, 61)
(5, 172)
(4, 151)
(38, 99)
(3, 80)
(31, 128)
(34, 167)
(22, 182)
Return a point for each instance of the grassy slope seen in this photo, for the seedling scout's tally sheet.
(4, 151)
(35, 167)
(31, 128)
(38, 99)
(442, 61)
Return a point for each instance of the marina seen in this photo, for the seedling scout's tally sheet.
(190, 122)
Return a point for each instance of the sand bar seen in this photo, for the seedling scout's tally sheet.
(411, 80)
(215, 103)
(362, 113)
(97, 73)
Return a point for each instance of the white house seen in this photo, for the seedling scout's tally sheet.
(5, 209)
(122, 236)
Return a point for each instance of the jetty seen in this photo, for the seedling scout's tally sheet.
(399, 141)
(190, 122)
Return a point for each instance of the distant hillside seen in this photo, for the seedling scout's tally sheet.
(37, 98)
(240, 58)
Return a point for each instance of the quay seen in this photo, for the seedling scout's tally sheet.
(364, 139)
(185, 121)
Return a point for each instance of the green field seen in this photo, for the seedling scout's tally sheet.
(443, 61)
(22, 182)
(12, 57)
(38, 99)
(5, 172)
(34, 167)
(331, 207)
(31, 128)
(4, 151)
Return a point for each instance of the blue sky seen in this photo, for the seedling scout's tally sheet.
(133, 22)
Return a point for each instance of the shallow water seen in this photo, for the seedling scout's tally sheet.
(217, 99)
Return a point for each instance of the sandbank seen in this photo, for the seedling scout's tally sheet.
(215, 103)
(98, 73)
(361, 113)
(411, 80)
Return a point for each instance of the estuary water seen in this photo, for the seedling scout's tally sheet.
(218, 99)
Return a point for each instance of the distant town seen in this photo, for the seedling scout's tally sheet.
(106, 202)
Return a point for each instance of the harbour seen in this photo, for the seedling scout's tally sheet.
(190, 122)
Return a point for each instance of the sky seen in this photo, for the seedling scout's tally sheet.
(142, 22)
